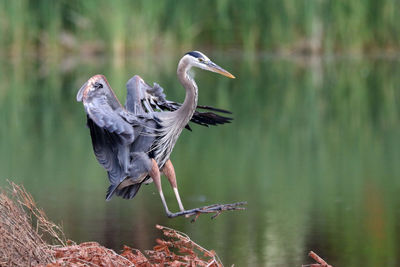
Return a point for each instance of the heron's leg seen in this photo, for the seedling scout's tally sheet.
(155, 174)
(169, 172)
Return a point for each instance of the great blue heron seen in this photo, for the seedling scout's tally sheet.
(134, 143)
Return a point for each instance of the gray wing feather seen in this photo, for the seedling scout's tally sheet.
(105, 117)
(141, 97)
(105, 146)
(134, 95)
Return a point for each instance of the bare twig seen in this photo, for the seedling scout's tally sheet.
(216, 208)
(318, 259)
(43, 224)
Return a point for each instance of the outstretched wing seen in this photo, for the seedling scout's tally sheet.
(142, 98)
(112, 129)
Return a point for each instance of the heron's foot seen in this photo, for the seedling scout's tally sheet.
(217, 209)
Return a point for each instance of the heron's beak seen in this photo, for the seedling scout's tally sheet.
(211, 66)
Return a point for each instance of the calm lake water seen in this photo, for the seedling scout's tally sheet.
(314, 148)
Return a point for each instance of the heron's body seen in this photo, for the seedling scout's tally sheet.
(134, 143)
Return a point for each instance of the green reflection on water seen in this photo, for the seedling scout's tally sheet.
(313, 148)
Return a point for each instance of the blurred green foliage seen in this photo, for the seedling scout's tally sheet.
(52, 27)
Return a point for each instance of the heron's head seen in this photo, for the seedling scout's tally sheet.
(199, 60)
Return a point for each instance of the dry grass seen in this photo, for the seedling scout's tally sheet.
(23, 230)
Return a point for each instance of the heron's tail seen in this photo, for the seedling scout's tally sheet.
(126, 192)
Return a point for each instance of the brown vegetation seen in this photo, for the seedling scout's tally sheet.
(29, 238)
(187, 253)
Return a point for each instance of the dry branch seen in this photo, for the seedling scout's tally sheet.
(216, 209)
(318, 259)
(190, 253)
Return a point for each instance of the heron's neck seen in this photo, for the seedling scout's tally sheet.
(185, 112)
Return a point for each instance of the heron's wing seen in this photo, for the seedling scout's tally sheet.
(142, 98)
(112, 128)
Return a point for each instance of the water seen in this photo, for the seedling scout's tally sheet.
(313, 148)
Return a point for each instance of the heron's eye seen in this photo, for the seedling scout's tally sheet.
(201, 60)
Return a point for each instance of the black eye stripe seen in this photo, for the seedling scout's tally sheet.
(194, 54)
